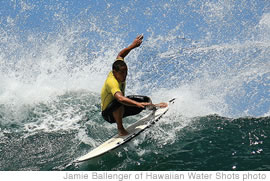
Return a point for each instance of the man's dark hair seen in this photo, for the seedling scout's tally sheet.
(117, 64)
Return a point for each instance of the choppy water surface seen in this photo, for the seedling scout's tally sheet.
(213, 57)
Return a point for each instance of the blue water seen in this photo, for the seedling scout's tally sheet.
(207, 142)
(213, 57)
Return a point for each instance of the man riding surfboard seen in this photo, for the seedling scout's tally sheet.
(114, 104)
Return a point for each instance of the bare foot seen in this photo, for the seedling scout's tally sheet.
(161, 105)
(122, 132)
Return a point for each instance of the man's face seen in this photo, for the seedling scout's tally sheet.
(121, 75)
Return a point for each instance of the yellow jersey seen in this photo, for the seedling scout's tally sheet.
(110, 87)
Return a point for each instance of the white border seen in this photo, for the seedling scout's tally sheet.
(135, 175)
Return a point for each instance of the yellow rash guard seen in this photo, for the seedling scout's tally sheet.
(110, 87)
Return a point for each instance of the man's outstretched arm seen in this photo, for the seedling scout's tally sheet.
(136, 43)
(129, 102)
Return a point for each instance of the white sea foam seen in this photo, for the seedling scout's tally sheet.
(215, 68)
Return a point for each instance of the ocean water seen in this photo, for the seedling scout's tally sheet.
(212, 56)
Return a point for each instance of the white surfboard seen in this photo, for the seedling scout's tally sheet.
(134, 130)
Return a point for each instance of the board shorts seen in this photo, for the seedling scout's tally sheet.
(107, 114)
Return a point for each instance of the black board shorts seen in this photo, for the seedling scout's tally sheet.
(107, 114)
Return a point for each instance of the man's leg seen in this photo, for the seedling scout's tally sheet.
(118, 116)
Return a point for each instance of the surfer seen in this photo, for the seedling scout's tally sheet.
(114, 104)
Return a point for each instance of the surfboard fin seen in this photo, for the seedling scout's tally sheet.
(172, 100)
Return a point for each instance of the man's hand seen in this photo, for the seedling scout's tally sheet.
(143, 104)
(138, 41)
